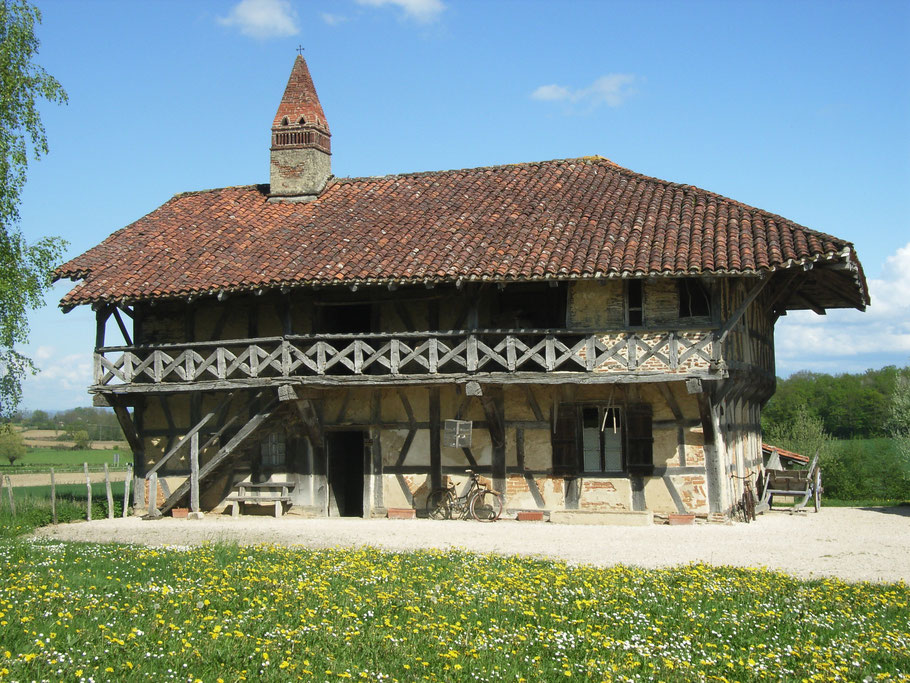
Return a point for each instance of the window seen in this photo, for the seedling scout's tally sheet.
(530, 306)
(694, 298)
(601, 438)
(634, 303)
(595, 439)
(272, 450)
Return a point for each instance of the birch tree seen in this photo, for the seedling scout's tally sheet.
(24, 267)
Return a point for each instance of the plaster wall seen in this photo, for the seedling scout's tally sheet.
(295, 172)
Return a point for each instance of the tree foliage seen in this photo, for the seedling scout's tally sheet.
(899, 419)
(24, 268)
(12, 447)
(899, 424)
(848, 405)
(804, 433)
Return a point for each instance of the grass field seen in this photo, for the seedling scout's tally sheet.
(71, 611)
(33, 507)
(230, 613)
(40, 459)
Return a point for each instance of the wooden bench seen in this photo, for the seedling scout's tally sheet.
(263, 493)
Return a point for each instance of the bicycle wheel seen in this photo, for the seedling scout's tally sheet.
(817, 492)
(486, 506)
(439, 504)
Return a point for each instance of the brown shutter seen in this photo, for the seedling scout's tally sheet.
(640, 457)
(565, 440)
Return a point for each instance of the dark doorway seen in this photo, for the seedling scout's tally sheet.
(346, 471)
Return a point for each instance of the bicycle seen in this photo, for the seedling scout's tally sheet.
(744, 509)
(483, 504)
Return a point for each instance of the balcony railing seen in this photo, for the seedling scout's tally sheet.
(423, 354)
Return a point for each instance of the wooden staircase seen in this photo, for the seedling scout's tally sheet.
(224, 456)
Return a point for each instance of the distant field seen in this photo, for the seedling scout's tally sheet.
(55, 438)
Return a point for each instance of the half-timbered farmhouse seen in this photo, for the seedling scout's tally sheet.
(586, 337)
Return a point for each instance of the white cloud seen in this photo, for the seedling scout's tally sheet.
(850, 341)
(262, 18)
(422, 11)
(551, 92)
(612, 90)
(62, 381)
(333, 19)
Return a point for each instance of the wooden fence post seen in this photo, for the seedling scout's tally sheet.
(110, 495)
(126, 490)
(53, 498)
(88, 487)
(9, 492)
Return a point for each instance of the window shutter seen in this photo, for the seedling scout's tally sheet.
(565, 440)
(641, 439)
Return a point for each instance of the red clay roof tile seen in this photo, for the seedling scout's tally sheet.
(571, 218)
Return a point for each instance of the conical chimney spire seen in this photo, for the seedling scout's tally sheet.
(301, 142)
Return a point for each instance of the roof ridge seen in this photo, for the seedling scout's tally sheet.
(190, 193)
(493, 167)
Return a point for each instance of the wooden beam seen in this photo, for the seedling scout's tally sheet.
(671, 402)
(492, 412)
(101, 316)
(559, 378)
(312, 424)
(738, 313)
(810, 302)
(435, 440)
(183, 442)
(122, 326)
(783, 287)
(493, 405)
(126, 424)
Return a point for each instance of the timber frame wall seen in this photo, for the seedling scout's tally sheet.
(393, 365)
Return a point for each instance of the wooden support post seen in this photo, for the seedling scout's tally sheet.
(110, 495)
(126, 490)
(9, 492)
(194, 477)
(493, 410)
(88, 487)
(53, 498)
(138, 494)
(377, 503)
(153, 495)
(101, 316)
(435, 440)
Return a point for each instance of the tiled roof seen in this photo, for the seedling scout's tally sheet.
(563, 219)
(300, 99)
(768, 449)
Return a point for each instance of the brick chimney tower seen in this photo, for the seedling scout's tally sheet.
(301, 152)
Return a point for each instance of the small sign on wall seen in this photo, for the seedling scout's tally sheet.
(457, 434)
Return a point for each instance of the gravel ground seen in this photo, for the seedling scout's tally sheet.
(854, 544)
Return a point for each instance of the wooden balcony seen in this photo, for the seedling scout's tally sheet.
(504, 356)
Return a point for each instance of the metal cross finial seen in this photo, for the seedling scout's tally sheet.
(300, 50)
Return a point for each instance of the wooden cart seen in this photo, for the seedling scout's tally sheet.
(798, 484)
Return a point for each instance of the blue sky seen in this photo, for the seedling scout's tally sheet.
(800, 108)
